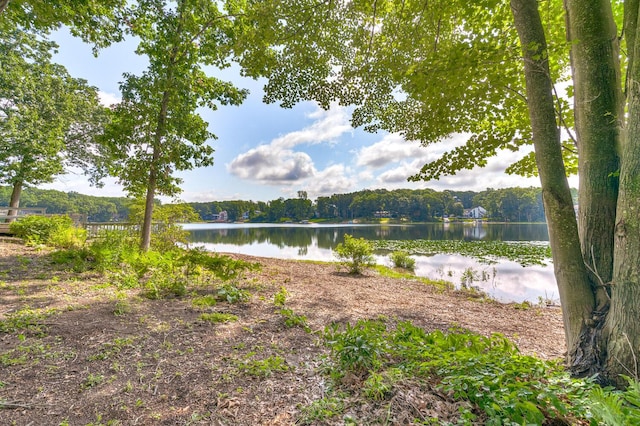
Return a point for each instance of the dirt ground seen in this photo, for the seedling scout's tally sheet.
(85, 354)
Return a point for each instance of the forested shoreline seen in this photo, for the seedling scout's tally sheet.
(424, 205)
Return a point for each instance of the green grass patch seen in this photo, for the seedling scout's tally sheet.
(206, 301)
(385, 271)
(218, 317)
(262, 367)
(26, 319)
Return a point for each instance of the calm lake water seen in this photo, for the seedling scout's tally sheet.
(506, 281)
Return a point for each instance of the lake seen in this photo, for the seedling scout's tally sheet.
(506, 281)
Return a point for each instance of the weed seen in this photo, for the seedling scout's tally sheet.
(12, 357)
(112, 348)
(217, 317)
(122, 305)
(232, 294)
(379, 386)
(57, 231)
(280, 297)
(523, 306)
(291, 319)
(92, 380)
(263, 368)
(26, 319)
(357, 348)
(321, 410)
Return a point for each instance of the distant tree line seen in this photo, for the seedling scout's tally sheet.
(97, 209)
(507, 204)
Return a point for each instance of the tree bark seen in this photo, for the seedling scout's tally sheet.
(576, 296)
(161, 127)
(622, 325)
(598, 110)
(14, 203)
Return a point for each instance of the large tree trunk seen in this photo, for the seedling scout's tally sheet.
(598, 110)
(623, 325)
(576, 296)
(14, 203)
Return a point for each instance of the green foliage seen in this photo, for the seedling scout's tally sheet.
(26, 319)
(616, 408)
(321, 410)
(92, 380)
(355, 254)
(57, 231)
(280, 297)
(222, 267)
(401, 259)
(263, 368)
(217, 317)
(489, 372)
(359, 348)
(232, 294)
(291, 319)
(485, 251)
(49, 119)
(78, 260)
(114, 249)
(204, 301)
(156, 129)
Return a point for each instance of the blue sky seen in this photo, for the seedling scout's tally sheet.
(264, 152)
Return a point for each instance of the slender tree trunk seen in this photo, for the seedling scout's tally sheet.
(3, 5)
(598, 106)
(623, 325)
(161, 127)
(147, 222)
(14, 203)
(576, 296)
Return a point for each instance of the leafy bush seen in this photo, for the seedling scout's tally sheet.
(401, 259)
(57, 231)
(357, 348)
(355, 253)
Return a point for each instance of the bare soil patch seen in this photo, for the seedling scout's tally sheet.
(91, 357)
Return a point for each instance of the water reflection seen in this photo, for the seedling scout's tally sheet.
(510, 282)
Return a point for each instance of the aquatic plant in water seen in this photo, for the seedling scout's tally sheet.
(525, 253)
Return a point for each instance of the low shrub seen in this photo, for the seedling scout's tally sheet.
(355, 253)
(401, 259)
(57, 231)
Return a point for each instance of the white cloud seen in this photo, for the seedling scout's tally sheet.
(278, 163)
(269, 164)
(108, 99)
(73, 182)
(335, 179)
(393, 148)
(327, 127)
